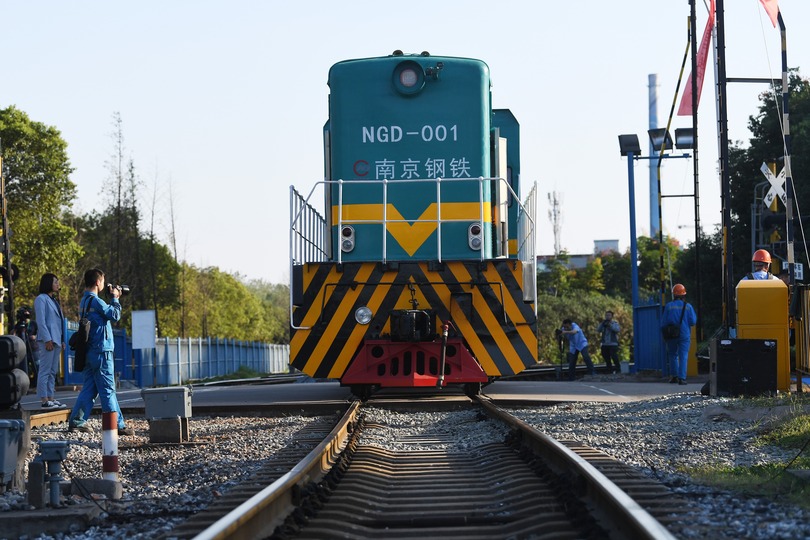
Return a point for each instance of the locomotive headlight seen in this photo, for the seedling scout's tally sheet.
(347, 238)
(408, 78)
(363, 315)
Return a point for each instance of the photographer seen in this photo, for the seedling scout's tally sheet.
(609, 330)
(577, 343)
(99, 378)
(26, 329)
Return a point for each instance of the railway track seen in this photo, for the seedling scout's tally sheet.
(529, 486)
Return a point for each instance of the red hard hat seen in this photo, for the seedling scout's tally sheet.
(761, 255)
(678, 290)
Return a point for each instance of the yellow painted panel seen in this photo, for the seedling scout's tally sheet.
(410, 235)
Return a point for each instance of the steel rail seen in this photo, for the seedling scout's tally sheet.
(622, 516)
(261, 514)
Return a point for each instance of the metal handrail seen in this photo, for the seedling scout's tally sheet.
(321, 251)
(310, 238)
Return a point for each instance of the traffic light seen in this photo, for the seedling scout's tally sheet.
(15, 272)
(14, 380)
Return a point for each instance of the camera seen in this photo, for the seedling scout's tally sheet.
(560, 338)
(23, 313)
(123, 289)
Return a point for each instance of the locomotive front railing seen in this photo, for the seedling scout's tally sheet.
(310, 235)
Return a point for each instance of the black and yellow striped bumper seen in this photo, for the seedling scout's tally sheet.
(483, 301)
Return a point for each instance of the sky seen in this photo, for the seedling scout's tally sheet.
(223, 102)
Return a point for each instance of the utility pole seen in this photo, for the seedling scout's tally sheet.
(6, 281)
(555, 217)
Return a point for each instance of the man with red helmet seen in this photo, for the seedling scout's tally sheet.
(762, 263)
(682, 315)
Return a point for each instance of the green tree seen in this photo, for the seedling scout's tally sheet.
(275, 300)
(555, 280)
(36, 169)
(218, 305)
(616, 275)
(589, 278)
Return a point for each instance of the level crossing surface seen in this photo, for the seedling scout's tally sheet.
(262, 396)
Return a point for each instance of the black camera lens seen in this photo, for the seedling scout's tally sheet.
(123, 289)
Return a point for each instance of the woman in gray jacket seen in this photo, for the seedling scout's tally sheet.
(50, 339)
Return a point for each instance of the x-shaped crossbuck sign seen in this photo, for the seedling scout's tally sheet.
(777, 183)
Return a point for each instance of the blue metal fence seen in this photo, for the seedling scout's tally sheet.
(651, 354)
(175, 361)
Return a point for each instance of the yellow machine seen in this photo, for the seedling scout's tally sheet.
(762, 313)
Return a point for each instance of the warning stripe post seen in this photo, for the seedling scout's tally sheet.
(109, 446)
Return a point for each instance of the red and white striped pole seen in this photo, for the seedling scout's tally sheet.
(109, 446)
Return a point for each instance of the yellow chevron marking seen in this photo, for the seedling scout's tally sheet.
(464, 326)
(410, 235)
(489, 319)
(513, 311)
(347, 352)
(334, 324)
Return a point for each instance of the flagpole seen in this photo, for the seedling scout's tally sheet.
(787, 143)
(693, 32)
(725, 197)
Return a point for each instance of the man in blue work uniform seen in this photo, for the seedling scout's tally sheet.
(577, 343)
(681, 313)
(99, 377)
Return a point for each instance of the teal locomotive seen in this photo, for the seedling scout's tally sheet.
(413, 262)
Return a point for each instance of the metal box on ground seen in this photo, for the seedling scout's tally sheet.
(168, 430)
(174, 402)
(743, 367)
(762, 314)
(168, 411)
(11, 440)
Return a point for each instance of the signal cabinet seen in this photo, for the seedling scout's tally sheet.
(762, 314)
(743, 367)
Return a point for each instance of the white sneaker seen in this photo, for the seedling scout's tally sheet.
(50, 405)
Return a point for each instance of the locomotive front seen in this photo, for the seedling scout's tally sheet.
(421, 269)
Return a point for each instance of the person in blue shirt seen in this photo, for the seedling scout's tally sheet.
(99, 376)
(679, 312)
(577, 343)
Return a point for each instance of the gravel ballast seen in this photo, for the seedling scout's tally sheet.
(663, 437)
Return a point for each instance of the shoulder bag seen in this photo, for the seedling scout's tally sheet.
(673, 331)
(80, 340)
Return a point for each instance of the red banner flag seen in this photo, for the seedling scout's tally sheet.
(772, 9)
(685, 108)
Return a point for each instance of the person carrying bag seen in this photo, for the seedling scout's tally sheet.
(677, 336)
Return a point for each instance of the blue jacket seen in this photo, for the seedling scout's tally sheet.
(759, 274)
(100, 313)
(609, 331)
(50, 323)
(672, 314)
